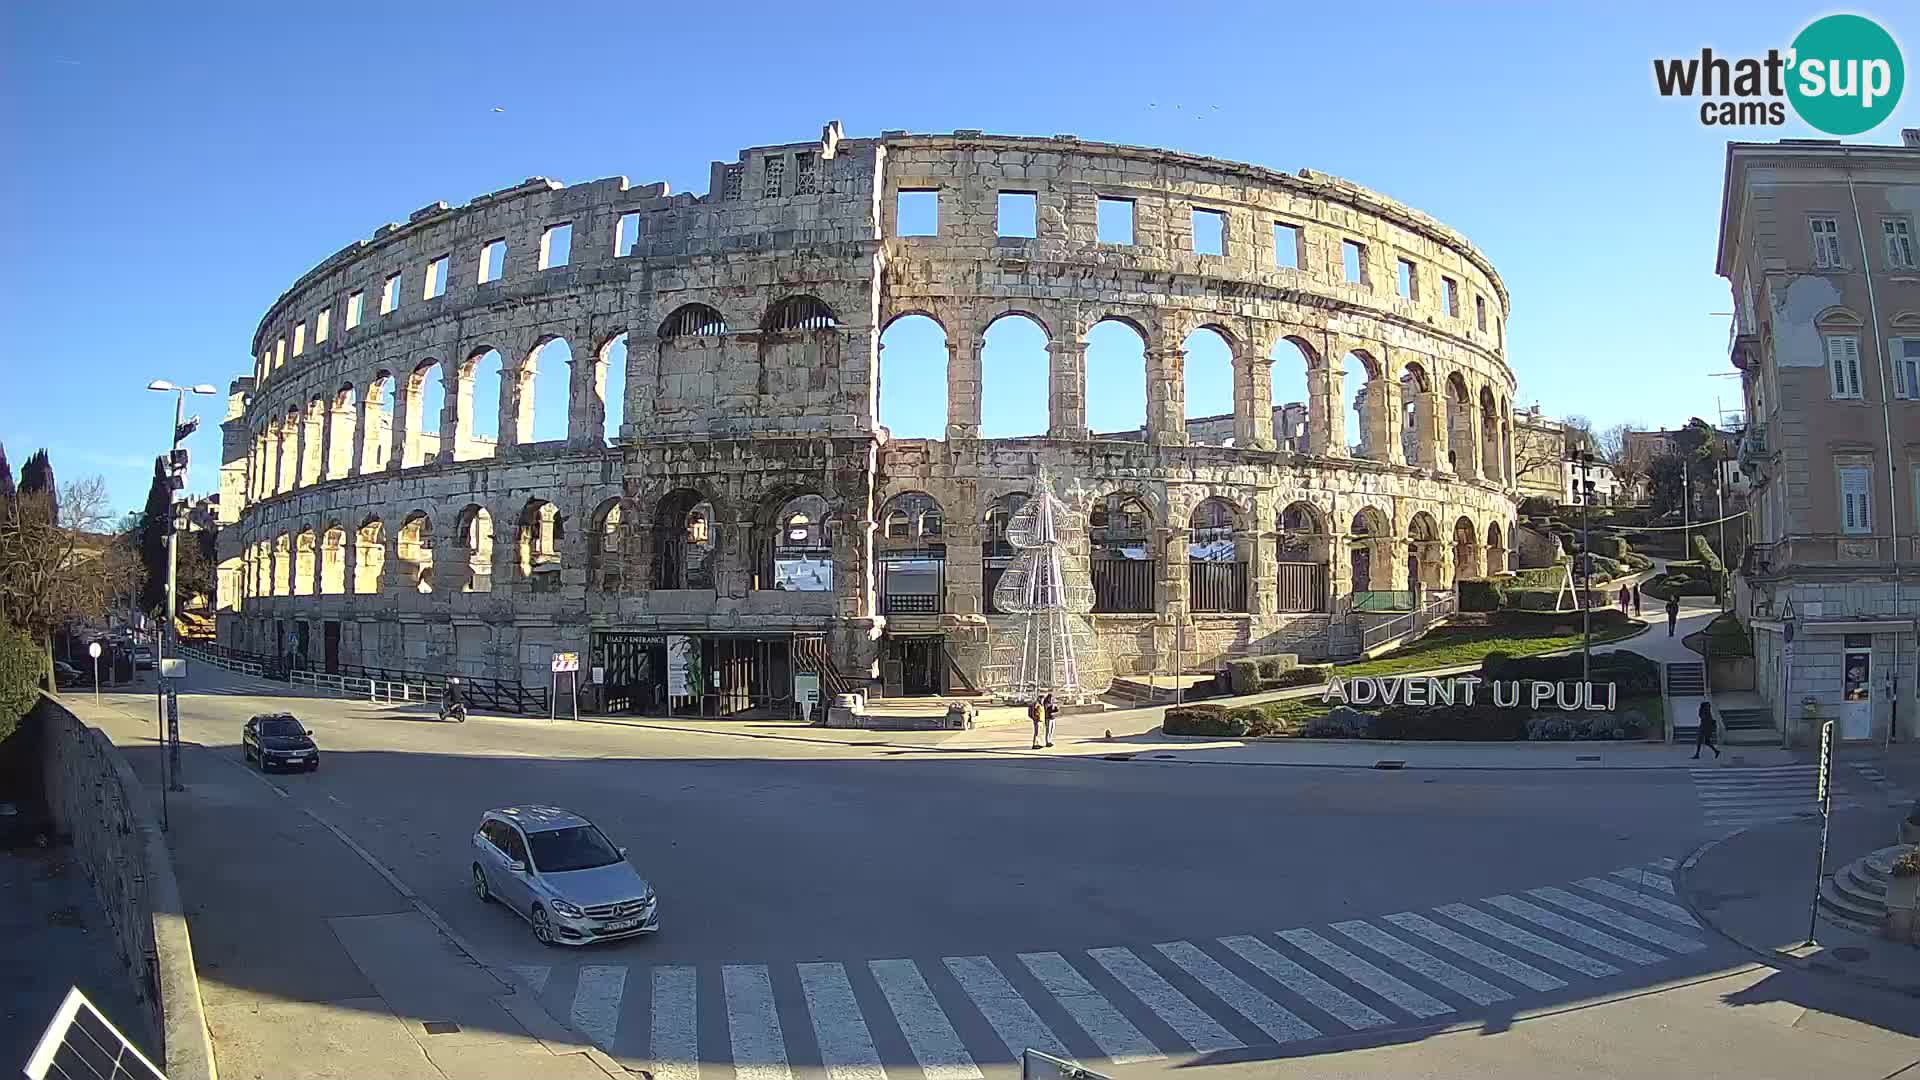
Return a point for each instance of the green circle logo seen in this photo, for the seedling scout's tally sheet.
(1847, 74)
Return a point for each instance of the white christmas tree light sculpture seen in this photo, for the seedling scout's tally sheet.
(1045, 644)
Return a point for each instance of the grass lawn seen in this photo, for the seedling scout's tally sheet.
(1450, 646)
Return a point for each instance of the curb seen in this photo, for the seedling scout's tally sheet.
(1780, 958)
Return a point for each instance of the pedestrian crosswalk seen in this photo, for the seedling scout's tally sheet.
(1733, 797)
(956, 1017)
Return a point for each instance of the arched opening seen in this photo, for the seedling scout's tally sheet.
(303, 562)
(1303, 552)
(1460, 434)
(546, 381)
(1015, 376)
(282, 565)
(376, 446)
(799, 314)
(1216, 568)
(799, 347)
(1417, 437)
(797, 549)
(1496, 549)
(609, 546)
(684, 541)
(913, 379)
(1124, 567)
(1292, 412)
(1207, 381)
(341, 421)
(996, 554)
(1369, 534)
(1466, 550)
(1424, 567)
(483, 386)
(370, 557)
(538, 545)
(1365, 422)
(312, 432)
(610, 384)
(693, 341)
(475, 537)
(333, 560)
(1506, 441)
(912, 553)
(693, 320)
(1116, 380)
(1489, 436)
(426, 405)
(413, 548)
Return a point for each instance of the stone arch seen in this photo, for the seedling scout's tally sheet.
(996, 554)
(1369, 415)
(376, 442)
(473, 543)
(1116, 394)
(1496, 549)
(305, 553)
(282, 565)
(1016, 375)
(800, 346)
(413, 550)
(912, 400)
(1419, 424)
(608, 388)
(1369, 548)
(342, 430)
(425, 405)
(1506, 441)
(538, 535)
(1303, 558)
(693, 320)
(1207, 385)
(487, 391)
(800, 313)
(1124, 563)
(1466, 549)
(795, 548)
(1426, 554)
(333, 559)
(369, 556)
(1294, 370)
(1460, 433)
(544, 388)
(686, 540)
(912, 519)
(313, 429)
(1489, 435)
(1216, 559)
(692, 349)
(910, 550)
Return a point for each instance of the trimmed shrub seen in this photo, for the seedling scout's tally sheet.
(1631, 673)
(1208, 720)
(1244, 675)
(1341, 722)
(1488, 594)
(22, 667)
(1703, 552)
(1304, 675)
(1611, 546)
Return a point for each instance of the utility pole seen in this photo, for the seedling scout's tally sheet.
(1583, 464)
(164, 641)
(1686, 511)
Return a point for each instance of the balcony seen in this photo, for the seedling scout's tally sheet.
(1743, 350)
(1753, 447)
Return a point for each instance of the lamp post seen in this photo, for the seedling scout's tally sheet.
(1583, 464)
(177, 479)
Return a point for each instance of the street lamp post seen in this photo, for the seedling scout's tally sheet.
(1583, 463)
(177, 473)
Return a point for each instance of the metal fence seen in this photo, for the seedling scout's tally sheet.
(1216, 586)
(1382, 600)
(1123, 585)
(1413, 623)
(1301, 586)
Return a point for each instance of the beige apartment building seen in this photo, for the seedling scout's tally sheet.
(1817, 240)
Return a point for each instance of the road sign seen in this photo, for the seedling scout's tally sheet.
(566, 661)
(1825, 793)
(93, 650)
(173, 667)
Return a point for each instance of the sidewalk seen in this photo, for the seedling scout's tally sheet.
(1756, 887)
(312, 964)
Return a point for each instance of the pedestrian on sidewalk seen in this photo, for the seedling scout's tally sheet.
(1636, 599)
(1626, 598)
(1053, 713)
(1673, 612)
(1705, 737)
(1033, 714)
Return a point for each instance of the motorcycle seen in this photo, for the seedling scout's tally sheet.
(450, 709)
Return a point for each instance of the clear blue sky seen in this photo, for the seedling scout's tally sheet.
(168, 173)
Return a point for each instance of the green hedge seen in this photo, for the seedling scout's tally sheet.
(1210, 720)
(1704, 554)
(1485, 594)
(1253, 674)
(1726, 637)
(1633, 674)
(22, 667)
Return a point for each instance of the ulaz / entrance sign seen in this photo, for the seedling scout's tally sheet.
(1506, 693)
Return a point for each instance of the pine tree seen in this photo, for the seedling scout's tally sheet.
(155, 520)
(6, 476)
(37, 475)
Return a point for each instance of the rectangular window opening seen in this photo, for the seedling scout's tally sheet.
(390, 294)
(730, 182)
(1450, 296)
(1209, 232)
(1826, 241)
(1408, 280)
(1019, 214)
(356, 307)
(1899, 243)
(322, 325)
(1843, 365)
(1906, 366)
(916, 212)
(493, 260)
(280, 353)
(556, 245)
(299, 338)
(806, 174)
(1114, 221)
(775, 176)
(1286, 246)
(626, 234)
(1856, 499)
(1353, 262)
(1480, 312)
(436, 285)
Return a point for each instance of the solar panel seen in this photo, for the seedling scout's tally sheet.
(81, 1044)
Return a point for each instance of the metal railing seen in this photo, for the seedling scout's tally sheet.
(1217, 586)
(225, 663)
(1123, 585)
(1381, 600)
(1412, 623)
(1301, 586)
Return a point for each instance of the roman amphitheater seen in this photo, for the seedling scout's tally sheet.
(390, 499)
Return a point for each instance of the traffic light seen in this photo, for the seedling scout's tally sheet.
(177, 467)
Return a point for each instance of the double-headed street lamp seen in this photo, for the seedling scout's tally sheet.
(177, 481)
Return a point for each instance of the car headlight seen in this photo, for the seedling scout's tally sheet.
(567, 909)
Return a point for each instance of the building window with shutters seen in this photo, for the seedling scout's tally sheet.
(1843, 365)
(1856, 500)
(1899, 236)
(1906, 366)
(1826, 241)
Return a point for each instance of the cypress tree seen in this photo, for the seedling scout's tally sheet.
(6, 476)
(155, 520)
(37, 475)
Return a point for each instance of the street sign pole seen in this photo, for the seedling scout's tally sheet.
(1825, 795)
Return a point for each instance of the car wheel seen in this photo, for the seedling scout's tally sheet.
(315, 767)
(480, 885)
(542, 929)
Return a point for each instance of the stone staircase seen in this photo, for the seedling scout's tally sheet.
(1747, 727)
(1856, 895)
(1686, 679)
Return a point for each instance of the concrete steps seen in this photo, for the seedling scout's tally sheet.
(1856, 894)
(1747, 727)
(1686, 679)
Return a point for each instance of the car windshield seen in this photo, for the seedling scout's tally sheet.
(581, 847)
(281, 728)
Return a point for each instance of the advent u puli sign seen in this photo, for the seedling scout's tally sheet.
(1842, 75)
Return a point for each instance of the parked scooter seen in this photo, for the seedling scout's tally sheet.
(451, 706)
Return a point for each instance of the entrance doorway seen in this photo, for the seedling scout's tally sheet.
(635, 671)
(1856, 688)
(330, 645)
(915, 667)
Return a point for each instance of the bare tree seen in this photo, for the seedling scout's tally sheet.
(58, 564)
(1538, 451)
(1579, 432)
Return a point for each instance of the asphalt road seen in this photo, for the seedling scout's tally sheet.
(796, 875)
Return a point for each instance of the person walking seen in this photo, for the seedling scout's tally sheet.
(1626, 598)
(1705, 737)
(1033, 714)
(1053, 713)
(1673, 612)
(1636, 599)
